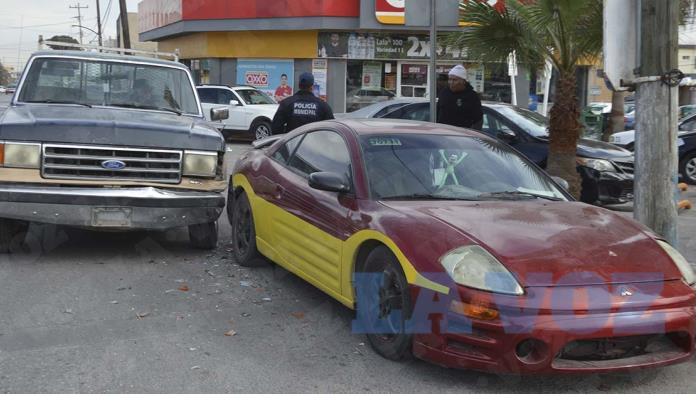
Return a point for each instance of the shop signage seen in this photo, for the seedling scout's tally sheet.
(320, 70)
(393, 12)
(372, 76)
(382, 46)
(265, 75)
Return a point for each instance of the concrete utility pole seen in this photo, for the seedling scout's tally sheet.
(99, 32)
(656, 118)
(124, 24)
(79, 17)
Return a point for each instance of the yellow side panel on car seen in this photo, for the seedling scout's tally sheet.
(265, 213)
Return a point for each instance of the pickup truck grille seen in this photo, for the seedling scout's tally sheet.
(87, 162)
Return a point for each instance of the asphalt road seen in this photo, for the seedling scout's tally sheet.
(104, 312)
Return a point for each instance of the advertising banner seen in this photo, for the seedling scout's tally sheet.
(320, 71)
(372, 76)
(382, 46)
(270, 76)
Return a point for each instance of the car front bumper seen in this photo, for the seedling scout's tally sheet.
(495, 346)
(605, 187)
(144, 208)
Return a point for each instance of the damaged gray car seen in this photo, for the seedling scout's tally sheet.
(109, 142)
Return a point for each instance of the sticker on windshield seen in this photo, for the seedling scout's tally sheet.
(385, 141)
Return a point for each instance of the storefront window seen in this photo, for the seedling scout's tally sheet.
(369, 82)
(414, 80)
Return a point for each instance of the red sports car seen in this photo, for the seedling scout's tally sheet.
(453, 247)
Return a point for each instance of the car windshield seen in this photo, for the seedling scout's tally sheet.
(419, 166)
(100, 83)
(531, 122)
(255, 97)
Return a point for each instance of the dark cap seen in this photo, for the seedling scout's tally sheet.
(306, 79)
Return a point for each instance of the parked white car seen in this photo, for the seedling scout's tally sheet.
(626, 139)
(251, 110)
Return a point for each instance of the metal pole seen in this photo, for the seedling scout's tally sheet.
(433, 55)
(124, 24)
(99, 32)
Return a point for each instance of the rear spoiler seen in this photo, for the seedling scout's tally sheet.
(265, 142)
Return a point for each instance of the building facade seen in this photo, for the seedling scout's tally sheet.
(360, 51)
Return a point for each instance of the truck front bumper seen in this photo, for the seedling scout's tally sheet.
(145, 208)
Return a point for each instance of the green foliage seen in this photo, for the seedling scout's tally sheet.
(67, 39)
(4, 76)
(565, 31)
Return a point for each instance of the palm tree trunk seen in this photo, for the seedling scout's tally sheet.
(564, 131)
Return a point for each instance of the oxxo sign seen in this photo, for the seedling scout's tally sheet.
(256, 78)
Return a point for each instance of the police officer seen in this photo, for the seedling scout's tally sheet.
(301, 108)
(458, 104)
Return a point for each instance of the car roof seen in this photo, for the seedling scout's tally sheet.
(371, 126)
(109, 57)
(233, 87)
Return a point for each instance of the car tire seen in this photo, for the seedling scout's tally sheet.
(244, 233)
(687, 168)
(261, 129)
(204, 235)
(12, 234)
(394, 287)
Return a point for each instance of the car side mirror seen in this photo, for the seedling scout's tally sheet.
(505, 135)
(219, 114)
(234, 103)
(329, 181)
(561, 182)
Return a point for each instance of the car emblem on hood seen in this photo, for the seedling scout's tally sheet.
(113, 164)
(625, 292)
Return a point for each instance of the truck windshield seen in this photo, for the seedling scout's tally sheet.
(100, 83)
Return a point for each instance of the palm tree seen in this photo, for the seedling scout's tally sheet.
(567, 32)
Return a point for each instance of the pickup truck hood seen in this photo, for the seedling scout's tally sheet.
(107, 126)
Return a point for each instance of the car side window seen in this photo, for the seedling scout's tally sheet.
(225, 96)
(284, 152)
(689, 125)
(386, 110)
(322, 151)
(207, 96)
(493, 126)
(420, 112)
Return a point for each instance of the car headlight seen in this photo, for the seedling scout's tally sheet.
(685, 268)
(473, 266)
(597, 164)
(199, 163)
(20, 155)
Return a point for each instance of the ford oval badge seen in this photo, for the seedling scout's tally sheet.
(113, 164)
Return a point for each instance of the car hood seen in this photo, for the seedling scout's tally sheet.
(551, 243)
(601, 150)
(107, 126)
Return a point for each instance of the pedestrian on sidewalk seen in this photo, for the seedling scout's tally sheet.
(458, 104)
(301, 108)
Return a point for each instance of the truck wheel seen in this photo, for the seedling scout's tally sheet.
(261, 129)
(12, 233)
(204, 235)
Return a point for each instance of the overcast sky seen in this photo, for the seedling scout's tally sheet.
(50, 17)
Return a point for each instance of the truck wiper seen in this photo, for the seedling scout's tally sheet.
(49, 101)
(152, 107)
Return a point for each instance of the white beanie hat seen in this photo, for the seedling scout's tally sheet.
(458, 71)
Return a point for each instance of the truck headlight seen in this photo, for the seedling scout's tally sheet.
(20, 154)
(200, 163)
(473, 266)
(685, 268)
(597, 164)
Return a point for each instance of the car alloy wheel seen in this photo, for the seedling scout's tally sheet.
(262, 130)
(690, 170)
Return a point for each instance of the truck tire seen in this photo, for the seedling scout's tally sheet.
(204, 235)
(12, 233)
